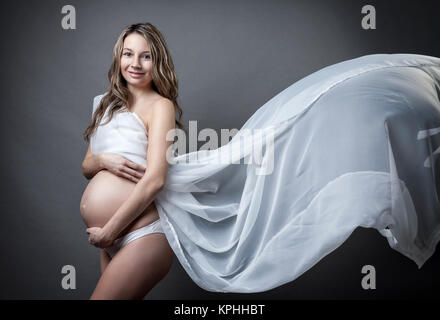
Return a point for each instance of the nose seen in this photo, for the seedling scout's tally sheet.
(135, 63)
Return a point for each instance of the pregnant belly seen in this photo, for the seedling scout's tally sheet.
(104, 194)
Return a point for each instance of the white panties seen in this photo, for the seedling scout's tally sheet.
(154, 227)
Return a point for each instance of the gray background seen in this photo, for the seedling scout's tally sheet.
(230, 57)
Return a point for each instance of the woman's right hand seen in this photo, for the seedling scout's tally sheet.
(121, 166)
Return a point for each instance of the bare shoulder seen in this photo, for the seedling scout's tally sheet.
(164, 103)
(163, 108)
(147, 113)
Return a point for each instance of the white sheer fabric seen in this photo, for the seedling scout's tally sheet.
(124, 134)
(353, 144)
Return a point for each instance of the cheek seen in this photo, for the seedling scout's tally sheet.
(148, 67)
(124, 64)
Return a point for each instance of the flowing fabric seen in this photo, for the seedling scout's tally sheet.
(353, 144)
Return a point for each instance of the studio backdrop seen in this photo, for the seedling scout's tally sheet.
(231, 57)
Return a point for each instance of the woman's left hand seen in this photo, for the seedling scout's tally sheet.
(99, 238)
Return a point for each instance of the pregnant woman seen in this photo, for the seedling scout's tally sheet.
(118, 203)
(355, 144)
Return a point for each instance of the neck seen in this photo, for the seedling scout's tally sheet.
(139, 93)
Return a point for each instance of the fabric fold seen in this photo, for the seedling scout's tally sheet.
(338, 149)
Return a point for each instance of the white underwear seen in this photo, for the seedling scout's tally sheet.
(154, 227)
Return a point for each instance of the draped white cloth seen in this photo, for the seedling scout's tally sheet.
(353, 144)
(124, 134)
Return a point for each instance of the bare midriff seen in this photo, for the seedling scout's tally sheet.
(103, 196)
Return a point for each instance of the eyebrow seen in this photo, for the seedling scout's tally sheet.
(132, 50)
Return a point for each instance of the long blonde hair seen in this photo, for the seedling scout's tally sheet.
(164, 78)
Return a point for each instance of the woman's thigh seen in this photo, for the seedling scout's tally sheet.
(104, 259)
(135, 269)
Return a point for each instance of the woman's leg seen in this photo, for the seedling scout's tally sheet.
(105, 259)
(135, 269)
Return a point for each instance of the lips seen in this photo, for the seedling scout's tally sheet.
(135, 74)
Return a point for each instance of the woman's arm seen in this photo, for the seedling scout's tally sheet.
(154, 178)
(91, 164)
(115, 163)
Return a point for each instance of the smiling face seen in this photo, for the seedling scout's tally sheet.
(136, 62)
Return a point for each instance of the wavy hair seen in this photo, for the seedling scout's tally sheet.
(164, 78)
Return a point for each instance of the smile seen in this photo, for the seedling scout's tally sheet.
(135, 74)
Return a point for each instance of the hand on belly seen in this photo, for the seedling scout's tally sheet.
(103, 196)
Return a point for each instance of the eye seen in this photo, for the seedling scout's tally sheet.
(128, 53)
